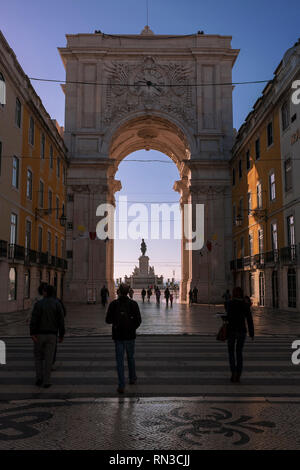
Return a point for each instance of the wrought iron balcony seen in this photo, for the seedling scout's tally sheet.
(16, 252)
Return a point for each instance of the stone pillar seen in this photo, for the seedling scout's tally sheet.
(91, 264)
(209, 267)
(181, 186)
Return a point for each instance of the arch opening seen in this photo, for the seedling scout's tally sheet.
(157, 136)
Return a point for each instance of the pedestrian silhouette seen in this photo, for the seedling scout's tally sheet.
(157, 293)
(167, 296)
(47, 321)
(238, 311)
(143, 294)
(149, 293)
(104, 295)
(124, 316)
(226, 296)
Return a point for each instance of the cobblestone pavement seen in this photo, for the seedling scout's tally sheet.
(197, 319)
(142, 424)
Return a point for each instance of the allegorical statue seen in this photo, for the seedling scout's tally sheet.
(143, 247)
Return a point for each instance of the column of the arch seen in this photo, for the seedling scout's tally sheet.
(199, 269)
(113, 187)
(209, 270)
(98, 250)
(182, 187)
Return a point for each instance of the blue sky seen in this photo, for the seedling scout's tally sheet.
(262, 29)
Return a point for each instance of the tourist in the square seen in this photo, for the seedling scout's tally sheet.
(149, 293)
(226, 296)
(195, 295)
(124, 316)
(46, 323)
(157, 293)
(191, 296)
(238, 311)
(104, 295)
(143, 294)
(171, 299)
(167, 296)
(131, 292)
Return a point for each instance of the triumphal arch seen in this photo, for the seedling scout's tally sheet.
(147, 91)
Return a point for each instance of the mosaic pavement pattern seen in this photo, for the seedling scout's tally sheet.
(141, 424)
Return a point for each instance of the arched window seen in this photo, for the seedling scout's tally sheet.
(2, 90)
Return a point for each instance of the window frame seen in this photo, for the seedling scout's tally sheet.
(16, 171)
(257, 148)
(270, 126)
(285, 115)
(31, 131)
(43, 146)
(18, 113)
(272, 186)
(29, 184)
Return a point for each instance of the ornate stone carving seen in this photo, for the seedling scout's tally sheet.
(149, 86)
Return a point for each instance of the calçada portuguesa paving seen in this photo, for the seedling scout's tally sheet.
(182, 400)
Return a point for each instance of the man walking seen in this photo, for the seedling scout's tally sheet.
(104, 295)
(167, 296)
(47, 321)
(125, 317)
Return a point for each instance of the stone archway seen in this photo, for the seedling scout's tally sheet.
(140, 92)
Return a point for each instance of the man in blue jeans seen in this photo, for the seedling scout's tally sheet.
(125, 317)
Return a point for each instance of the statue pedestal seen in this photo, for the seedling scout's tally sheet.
(144, 265)
(143, 276)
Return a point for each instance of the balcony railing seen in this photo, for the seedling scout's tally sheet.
(15, 252)
(286, 255)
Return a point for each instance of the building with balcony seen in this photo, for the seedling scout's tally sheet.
(265, 194)
(33, 162)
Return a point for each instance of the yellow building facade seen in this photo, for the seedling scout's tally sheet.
(262, 257)
(32, 191)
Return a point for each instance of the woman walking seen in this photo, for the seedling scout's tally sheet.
(237, 312)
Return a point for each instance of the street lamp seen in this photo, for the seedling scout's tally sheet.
(62, 218)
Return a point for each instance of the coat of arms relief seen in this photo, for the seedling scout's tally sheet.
(149, 86)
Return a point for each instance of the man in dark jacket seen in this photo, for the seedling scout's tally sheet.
(238, 312)
(104, 295)
(125, 317)
(47, 321)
